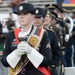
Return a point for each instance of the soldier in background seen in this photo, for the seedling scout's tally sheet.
(69, 48)
(65, 31)
(73, 36)
(47, 18)
(40, 16)
(52, 7)
(57, 29)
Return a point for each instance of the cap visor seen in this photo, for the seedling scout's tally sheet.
(38, 16)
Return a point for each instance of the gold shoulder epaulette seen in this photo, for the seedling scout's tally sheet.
(50, 29)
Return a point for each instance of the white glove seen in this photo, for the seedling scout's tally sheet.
(23, 48)
(18, 52)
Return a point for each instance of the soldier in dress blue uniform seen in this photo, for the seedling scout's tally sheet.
(73, 36)
(32, 55)
(45, 15)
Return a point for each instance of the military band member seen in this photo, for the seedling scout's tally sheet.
(56, 28)
(27, 49)
(70, 42)
(69, 48)
(58, 31)
(61, 25)
(56, 52)
(73, 36)
(65, 31)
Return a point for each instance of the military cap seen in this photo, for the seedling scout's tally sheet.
(61, 10)
(39, 12)
(47, 11)
(25, 8)
(54, 15)
(52, 6)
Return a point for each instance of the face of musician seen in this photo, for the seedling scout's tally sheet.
(39, 17)
(25, 18)
(38, 21)
(47, 19)
(25, 13)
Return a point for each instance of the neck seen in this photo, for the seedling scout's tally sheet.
(40, 26)
(27, 27)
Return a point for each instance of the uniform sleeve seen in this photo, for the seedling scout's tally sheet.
(45, 49)
(56, 51)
